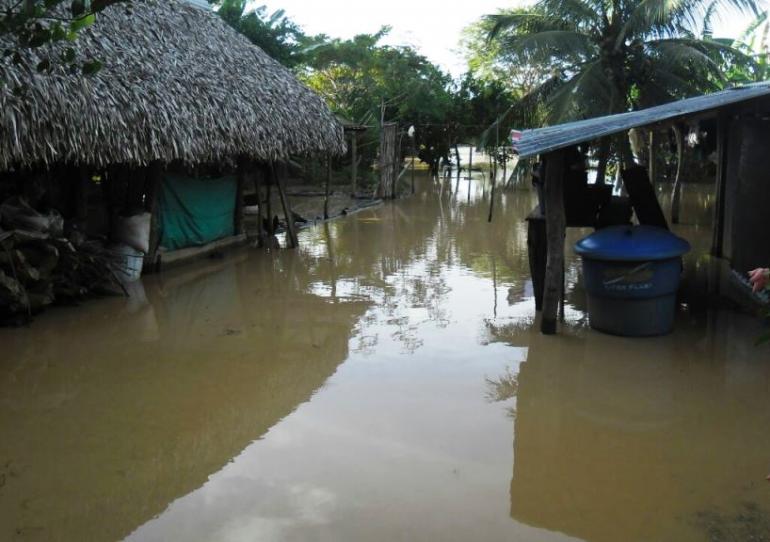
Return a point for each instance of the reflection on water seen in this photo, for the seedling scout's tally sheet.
(382, 383)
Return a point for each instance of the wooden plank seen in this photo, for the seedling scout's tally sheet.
(556, 224)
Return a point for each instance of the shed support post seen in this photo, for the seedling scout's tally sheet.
(555, 230)
(537, 245)
(279, 181)
(154, 180)
(240, 184)
(717, 244)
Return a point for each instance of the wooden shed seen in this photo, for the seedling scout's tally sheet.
(741, 117)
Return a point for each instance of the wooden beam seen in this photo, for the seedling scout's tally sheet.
(555, 224)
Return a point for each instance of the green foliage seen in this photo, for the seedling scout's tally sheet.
(34, 24)
(274, 33)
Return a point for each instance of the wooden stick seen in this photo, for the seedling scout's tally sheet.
(293, 243)
(555, 229)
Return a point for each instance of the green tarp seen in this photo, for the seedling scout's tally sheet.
(196, 211)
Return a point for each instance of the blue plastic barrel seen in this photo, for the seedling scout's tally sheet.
(631, 276)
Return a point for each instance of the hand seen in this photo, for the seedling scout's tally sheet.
(759, 278)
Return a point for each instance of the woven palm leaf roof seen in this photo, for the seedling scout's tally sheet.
(177, 84)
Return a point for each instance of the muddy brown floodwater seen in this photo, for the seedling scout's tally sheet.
(383, 383)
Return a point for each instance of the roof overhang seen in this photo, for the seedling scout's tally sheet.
(551, 138)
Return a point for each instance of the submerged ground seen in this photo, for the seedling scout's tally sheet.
(385, 382)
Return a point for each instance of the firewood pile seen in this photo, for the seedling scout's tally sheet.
(40, 266)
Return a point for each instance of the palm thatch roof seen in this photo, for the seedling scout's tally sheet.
(177, 84)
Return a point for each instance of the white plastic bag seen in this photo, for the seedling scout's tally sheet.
(134, 231)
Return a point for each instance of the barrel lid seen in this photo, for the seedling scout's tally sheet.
(632, 244)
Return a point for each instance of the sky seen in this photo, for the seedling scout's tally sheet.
(432, 26)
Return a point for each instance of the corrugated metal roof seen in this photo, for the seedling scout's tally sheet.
(543, 140)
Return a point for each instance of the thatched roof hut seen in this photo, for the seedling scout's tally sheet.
(178, 84)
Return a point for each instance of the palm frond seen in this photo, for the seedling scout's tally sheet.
(542, 47)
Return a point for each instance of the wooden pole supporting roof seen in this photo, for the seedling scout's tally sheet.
(556, 225)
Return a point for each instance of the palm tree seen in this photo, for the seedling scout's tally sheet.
(609, 56)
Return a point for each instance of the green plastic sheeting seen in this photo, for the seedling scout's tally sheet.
(196, 211)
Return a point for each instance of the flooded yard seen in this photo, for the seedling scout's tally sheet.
(385, 382)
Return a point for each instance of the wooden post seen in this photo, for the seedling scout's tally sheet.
(470, 164)
(258, 189)
(385, 189)
(279, 178)
(537, 245)
(153, 187)
(328, 183)
(240, 184)
(414, 152)
(717, 244)
(492, 194)
(354, 167)
(555, 228)
(269, 200)
(459, 168)
(505, 168)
